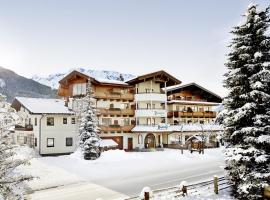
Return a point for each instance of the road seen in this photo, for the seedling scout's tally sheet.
(121, 174)
(162, 178)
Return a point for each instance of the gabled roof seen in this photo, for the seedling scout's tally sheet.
(196, 138)
(73, 74)
(179, 86)
(100, 81)
(171, 79)
(41, 106)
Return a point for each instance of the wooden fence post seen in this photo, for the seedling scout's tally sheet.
(216, 184)
(146, 196)
(146, 193)
(266, 192)
(183, 187)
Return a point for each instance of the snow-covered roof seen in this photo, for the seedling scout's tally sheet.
(178, 128)
(43, 106)
(194, 102)
(98, 80)
(179, 86)
(108, 143)
(102, 80)
(196, 137)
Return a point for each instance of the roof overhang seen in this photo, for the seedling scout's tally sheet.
(159, 76)
(175, 88)
(76, 74)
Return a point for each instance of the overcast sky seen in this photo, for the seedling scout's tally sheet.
(186, 38)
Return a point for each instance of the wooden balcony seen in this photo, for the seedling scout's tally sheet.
(183, 98)
(115, 111)
(24, 128)
(118, 128)
(177, 114)
(115, 96)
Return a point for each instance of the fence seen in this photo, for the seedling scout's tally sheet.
(178, 192)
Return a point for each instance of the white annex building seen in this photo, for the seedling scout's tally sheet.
(46, 124)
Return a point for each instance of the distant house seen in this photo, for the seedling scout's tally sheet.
(47, 125)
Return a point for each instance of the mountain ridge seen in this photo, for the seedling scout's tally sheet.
(52, 79)
(12, 85)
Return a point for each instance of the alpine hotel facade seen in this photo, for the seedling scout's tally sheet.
(149, 111)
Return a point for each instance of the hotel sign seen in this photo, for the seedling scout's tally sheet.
(160, 113)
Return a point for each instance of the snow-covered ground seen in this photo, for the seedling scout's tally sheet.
(123, 172)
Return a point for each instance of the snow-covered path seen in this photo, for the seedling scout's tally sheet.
(82, 191)
(128, 173)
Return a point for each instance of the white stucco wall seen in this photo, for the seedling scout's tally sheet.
(59, 132)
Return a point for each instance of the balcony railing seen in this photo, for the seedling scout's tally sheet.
(115, 96)
(145, 108)
(185, 98)
(118, 128)
(154, 92)
(115, 111)
(206, 114)
(24, 128)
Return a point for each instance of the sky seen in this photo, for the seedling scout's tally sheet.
(188, 38)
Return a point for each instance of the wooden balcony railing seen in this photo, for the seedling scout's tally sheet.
(115, 111)
(24, 128)
(118, 128)
(183, 98)
(114, 96)
(176, 114)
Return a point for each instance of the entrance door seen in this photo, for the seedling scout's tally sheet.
(150, 141)
(130, 144)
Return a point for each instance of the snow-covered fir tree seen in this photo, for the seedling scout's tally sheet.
(89, 130)
(247, 120)
(9, 181)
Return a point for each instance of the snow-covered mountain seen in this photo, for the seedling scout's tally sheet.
(53, 79)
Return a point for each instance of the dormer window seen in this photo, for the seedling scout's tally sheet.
(79, 89)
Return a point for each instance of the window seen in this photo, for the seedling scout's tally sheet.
(25, 140)
(50, 121)
(148, 106)
(64, 120)
(29, 121)
(73, 120)
(126, 121)
(79, 89)
(69, 142)
(35, 121)
(50, 142)
(148, 121)
(106, 121)
(125, 106)
(35, 142)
